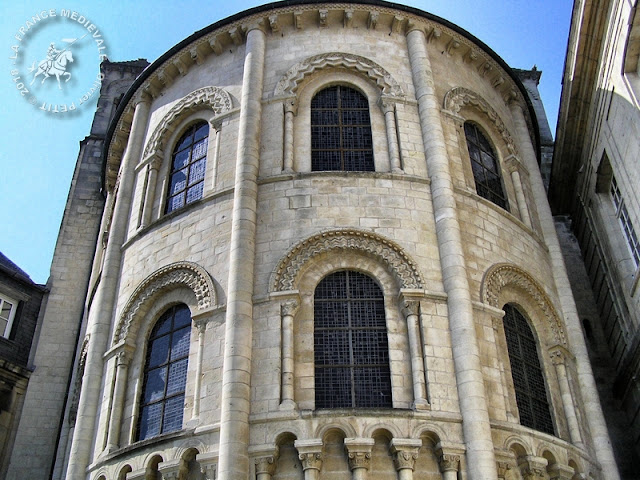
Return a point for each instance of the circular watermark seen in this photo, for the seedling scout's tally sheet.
(55, 60)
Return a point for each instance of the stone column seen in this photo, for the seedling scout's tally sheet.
(449, 465)
(150, 191)
(265, 467)
(359, 453)
(101, 313)
(310, 454)
(558, 358)
(513, 166)
(389, 109)
(122, 359)
(405, 453)
(532, 468)
(290, 110)
(202, 328)
(592, 407)
(216, 126)
(236, 374)
(466, 355)
(411, 310)
(288, 310)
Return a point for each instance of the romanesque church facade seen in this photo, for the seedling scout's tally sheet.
(313, 241)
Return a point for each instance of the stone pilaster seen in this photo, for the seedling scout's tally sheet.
(236, 375)
(122, 360)
(591, 400)
(559, 358)
(215, 126)
(466, 355)
(101, 314)
(389, 110)
(411, 311)
(288, 310)
(290, 111)
(514, 167)
(150, 188)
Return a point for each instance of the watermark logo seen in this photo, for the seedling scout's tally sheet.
(56, 58)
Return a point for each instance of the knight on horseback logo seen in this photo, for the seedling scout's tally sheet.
(55, 63)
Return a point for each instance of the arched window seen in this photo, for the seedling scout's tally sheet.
(528, 381)
(188, 163)
(484, 164)
(341, 131)
(165, 374)
(350, 343)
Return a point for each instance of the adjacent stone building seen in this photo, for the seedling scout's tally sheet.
(20, 300)
(325, 252)
(594, 192)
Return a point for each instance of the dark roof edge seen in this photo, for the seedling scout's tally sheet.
(288, 3)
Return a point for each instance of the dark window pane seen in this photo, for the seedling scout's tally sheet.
(484, 164)
(177, 377)
(528, 381)
(159, 351)
(195, 193)
(180, 343)
(155, 382)
(189, 162)
(173, 411)
(350, 343)
(341, 131)
(162, 400)
(150, 421)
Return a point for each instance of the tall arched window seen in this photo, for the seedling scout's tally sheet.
(528, 381)
(486, 171)
(341, 131)
(350, 343)
(165, 374)
(188, 162)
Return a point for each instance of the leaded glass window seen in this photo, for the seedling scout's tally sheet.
(341, 131)
(188, 164)
(165, 374)
(528, 380)
(350, 343)
(484, 163)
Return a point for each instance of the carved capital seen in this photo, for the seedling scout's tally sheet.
(291, 106)
(266, 464)
(448, 462)
(561, 472)
(503, 468)
(289, 308)
(311, 460)
(359, 452)
(405, 459)
(310, 453)
(532, 468)
(410, 307)
(359, 460)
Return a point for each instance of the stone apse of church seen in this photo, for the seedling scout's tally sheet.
(335, 211)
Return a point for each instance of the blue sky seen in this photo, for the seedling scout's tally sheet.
(39, 150)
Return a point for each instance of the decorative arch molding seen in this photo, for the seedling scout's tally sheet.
(502, 275)
(207, 98)
(460, 97)
(289, 83)
(398, 262)
(180, 274)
